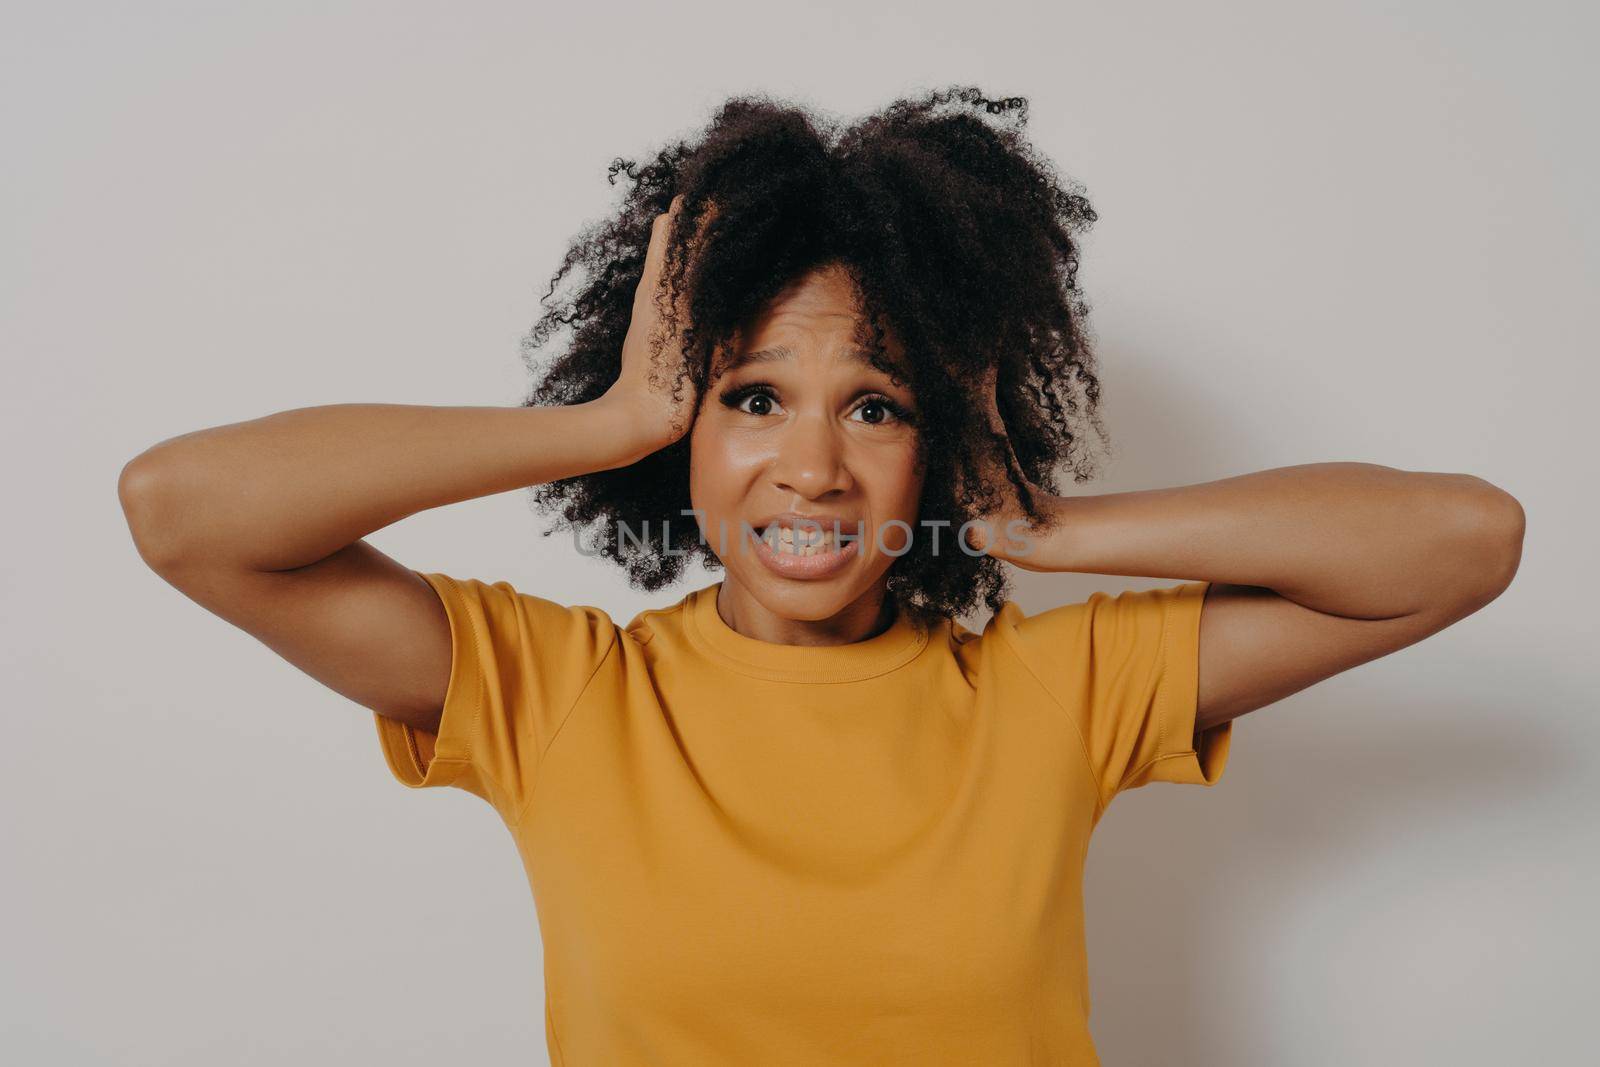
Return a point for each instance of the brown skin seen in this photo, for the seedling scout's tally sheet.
(1314, 569)
(814, 443)
(262, 522)
(815, 440)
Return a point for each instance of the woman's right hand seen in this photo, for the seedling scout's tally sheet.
(641, 388)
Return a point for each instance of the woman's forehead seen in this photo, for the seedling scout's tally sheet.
(820, 313)
(849, 346)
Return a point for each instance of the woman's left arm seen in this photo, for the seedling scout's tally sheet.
(1314, 569)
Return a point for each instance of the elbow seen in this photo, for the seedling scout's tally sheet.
(1493, 526)
(1511, 524)
(142, 488)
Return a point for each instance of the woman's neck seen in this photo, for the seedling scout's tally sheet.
(803, 622)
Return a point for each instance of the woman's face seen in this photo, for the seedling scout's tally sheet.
(796, 423)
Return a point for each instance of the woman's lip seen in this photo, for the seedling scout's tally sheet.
(817, 565)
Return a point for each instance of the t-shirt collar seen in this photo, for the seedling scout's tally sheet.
(876, 655)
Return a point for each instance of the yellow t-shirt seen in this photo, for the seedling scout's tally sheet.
(751, 853)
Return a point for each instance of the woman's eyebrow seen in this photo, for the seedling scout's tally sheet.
(775, 353)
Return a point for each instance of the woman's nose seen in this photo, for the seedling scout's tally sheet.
(811, 459)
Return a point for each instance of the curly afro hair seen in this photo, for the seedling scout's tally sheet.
(959, 239)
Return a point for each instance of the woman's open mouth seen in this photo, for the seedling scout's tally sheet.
(807, 552)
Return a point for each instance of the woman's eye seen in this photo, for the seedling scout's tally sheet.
(882, 411)
(762, 403)
(758, 400)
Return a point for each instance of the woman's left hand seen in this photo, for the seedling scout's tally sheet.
(1001, 532)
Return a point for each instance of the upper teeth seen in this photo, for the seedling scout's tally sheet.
(789, 539)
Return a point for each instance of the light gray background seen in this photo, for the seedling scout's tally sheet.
(1354, 231)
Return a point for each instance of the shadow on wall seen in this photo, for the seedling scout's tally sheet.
(1219, 920)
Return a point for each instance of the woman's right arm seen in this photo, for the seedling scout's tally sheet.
(261, 522)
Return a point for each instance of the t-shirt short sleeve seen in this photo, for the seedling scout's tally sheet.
(1125, 668)
(518, 665)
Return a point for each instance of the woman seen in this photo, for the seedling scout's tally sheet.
(803, 815)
